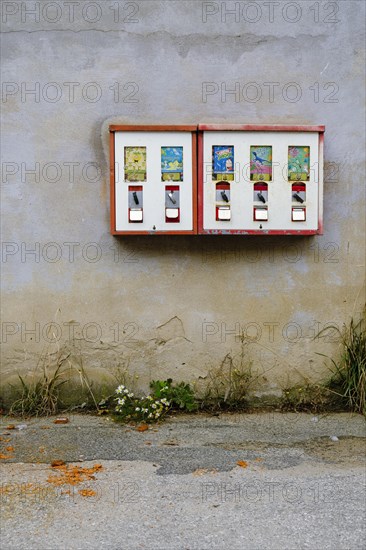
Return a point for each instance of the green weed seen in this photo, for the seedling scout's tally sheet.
(164, 397)
(39, 395)
(305, 398)
(348, 380)
(181, 396)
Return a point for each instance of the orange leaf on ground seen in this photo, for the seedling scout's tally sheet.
(56, 463)
(142, 428)
(10, 448)
(73, 475)
(87, 492)
(61, 420)
(10, 427)
(4, 457)
(242, 464)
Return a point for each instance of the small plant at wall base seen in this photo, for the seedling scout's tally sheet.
(181, 396)
(146, 409)
(151, 408)
(308, 397)
(348, 380)
(42, 392)
(40, 395)
(39, 398)
(226, 387)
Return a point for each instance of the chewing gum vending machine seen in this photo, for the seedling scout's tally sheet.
(260, 179)
(153, 180)
(217, 179)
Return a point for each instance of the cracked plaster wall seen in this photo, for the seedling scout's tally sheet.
(174, 306)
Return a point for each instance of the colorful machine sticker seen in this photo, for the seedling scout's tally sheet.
(135, 163)
(298, 163)
(261, 162)
(172, 164)
(223, 162)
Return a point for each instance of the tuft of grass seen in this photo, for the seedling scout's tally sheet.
(39, 396)
(226, 387)
(307, 397)
(348, 380)
(40, 393)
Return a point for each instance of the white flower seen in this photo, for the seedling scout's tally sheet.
(137, 409)
(153, 406)
(150, 415)
(125, 390)
(130, 395)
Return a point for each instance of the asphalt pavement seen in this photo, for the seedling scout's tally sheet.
(235, 481)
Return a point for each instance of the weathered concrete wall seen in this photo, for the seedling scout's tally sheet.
(172, 306)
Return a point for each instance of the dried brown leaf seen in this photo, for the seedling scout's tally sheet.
(57, 463)
(87, 492)
(142, 428)
(61, 420)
